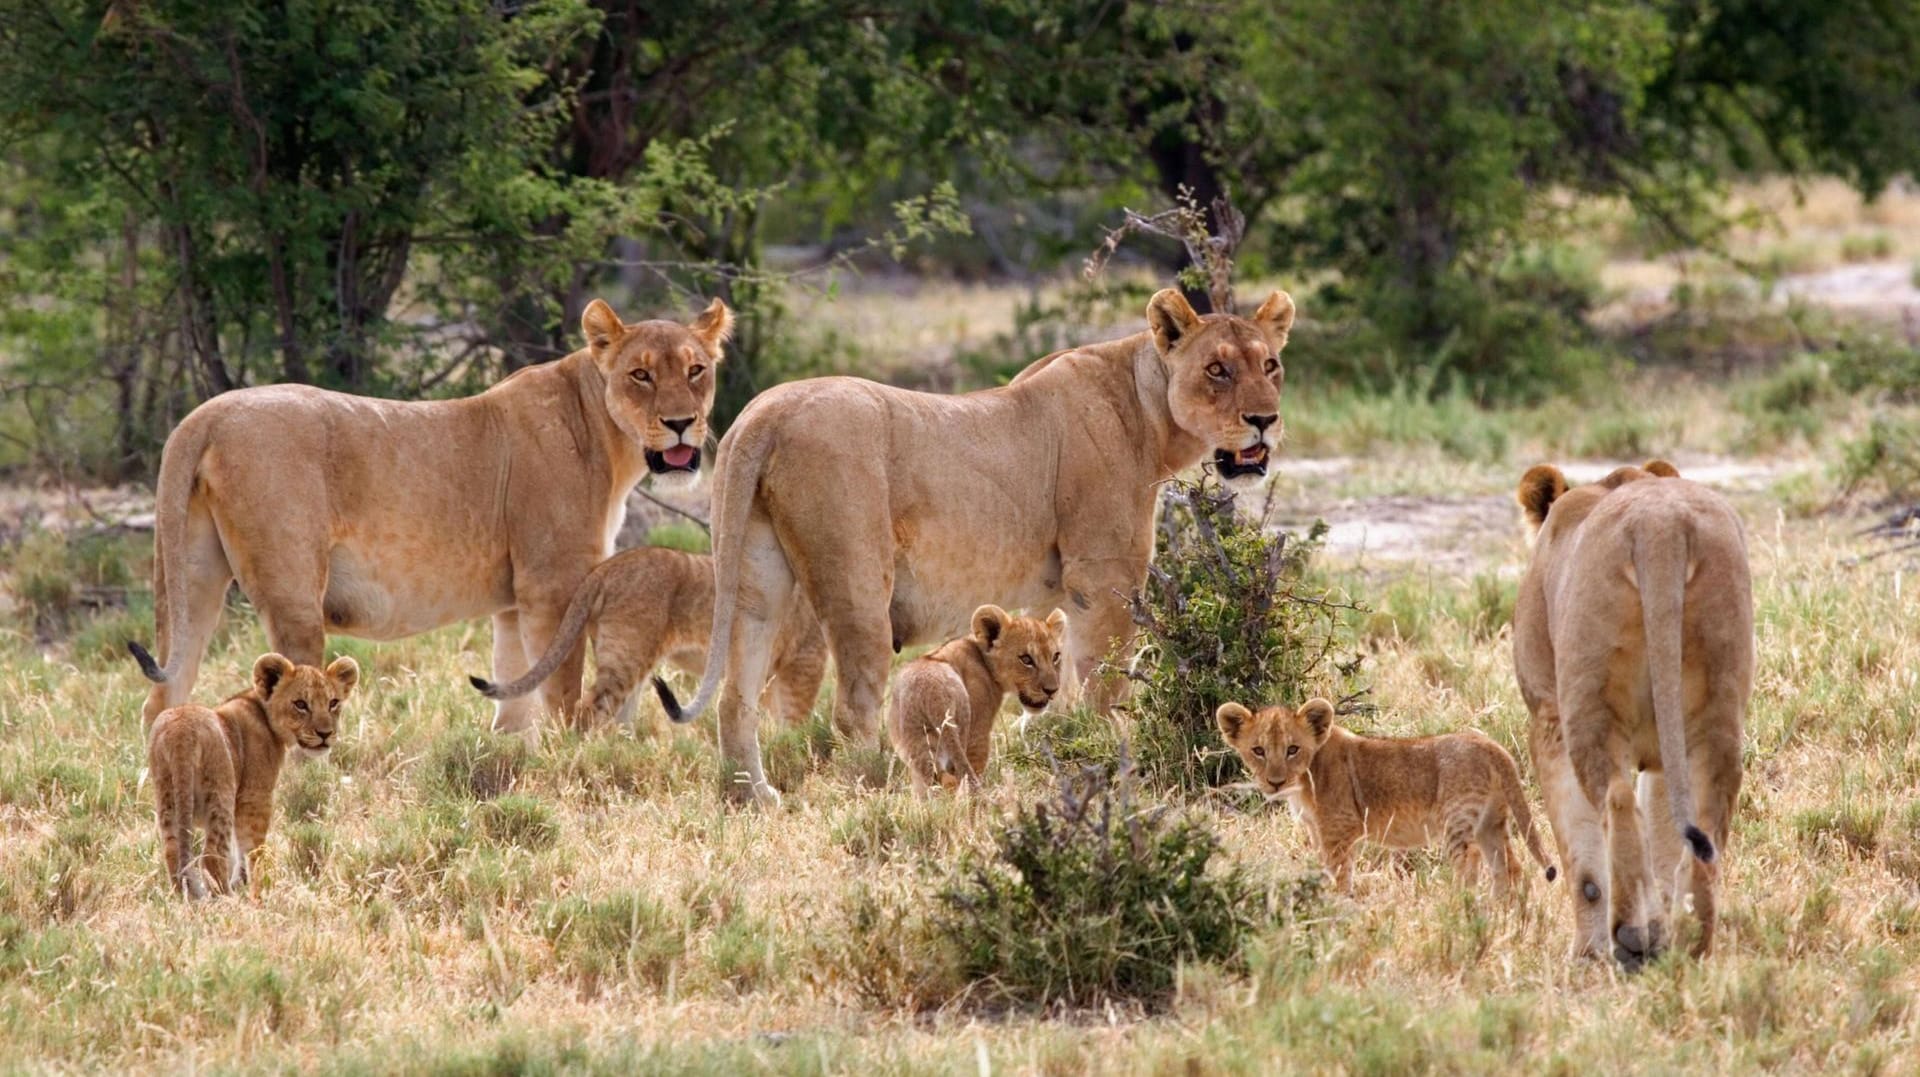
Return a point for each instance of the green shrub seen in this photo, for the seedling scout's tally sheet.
(516, 819)
(1228, 615)
(684, 535)
(1089, 896)
(474, 763)
(60, 578)
(1866, 247)
(1884, 462)
(629, 935)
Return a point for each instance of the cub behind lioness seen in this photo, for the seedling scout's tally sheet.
(215, 768)
(1400, 793)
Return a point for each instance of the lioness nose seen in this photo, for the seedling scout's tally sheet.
(678, 426)
(1260, 422)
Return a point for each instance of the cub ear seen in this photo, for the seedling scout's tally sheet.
(988, 623)
(1057, 621)
(602, 327)
(1233, 719)
(1276, 316)
(714, 327)
(344, 672)
(1661, 469)
(1171, 318)
(1319, 716)
(267, 673)
(1538, 489)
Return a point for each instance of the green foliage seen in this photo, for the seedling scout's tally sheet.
(60, 578)
(475, 764)
(1229, 613)
(517, 820)
(622, 935)
(1089, 896)
(1883, 461)
(683, 535)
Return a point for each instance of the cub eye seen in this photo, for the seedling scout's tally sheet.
(1260, 753)
(1273, 365)
(333, 704)
(1026, 660)
(695, 371)
(641, 376)
(1216, 370)
(1056, 658)
(300, 705)
(1293, 749)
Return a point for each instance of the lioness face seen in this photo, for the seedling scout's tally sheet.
(1022, 652)
(303, 702)
(1278, 743)
(660, 379)
(1224, 377)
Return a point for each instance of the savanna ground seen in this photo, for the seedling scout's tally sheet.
(437, 899)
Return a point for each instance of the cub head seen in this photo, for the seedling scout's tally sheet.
(1022, 652)
(1278, 743)
(303, 702)
(660, 378)
(1224, 377)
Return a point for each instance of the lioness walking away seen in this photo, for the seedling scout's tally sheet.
(1402, 793)
(642, 606)
(1633, 643)
(945, 702)
(216, 768)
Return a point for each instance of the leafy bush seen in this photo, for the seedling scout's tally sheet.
(59, 578)
(1883, 462)
(1228, 614)
(683, 535)
(1089, 897)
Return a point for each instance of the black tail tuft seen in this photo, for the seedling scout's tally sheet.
(147, 665)
(487, 688)
(1552, 873)
(667, 702)
(1702, 846)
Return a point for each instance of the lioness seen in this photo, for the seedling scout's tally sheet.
(216, 768)
(898, 513)
(1402, 793)
(945, 702)
(380, 518)
(1633, 642)
(640, 606)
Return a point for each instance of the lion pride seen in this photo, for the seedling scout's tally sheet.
(899, 513)
(381, 518)
(1633, 643)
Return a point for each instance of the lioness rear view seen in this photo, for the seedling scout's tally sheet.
(1633, 642)
(898, 513)
(380, 519)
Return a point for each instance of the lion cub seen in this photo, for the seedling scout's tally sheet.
(216, 768)
(1402, 793)
(945, 702)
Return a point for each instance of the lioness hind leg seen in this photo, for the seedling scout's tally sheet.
(1635, 933)
(1716, 790)
(800, 665)
(765, 585)
(205, 593)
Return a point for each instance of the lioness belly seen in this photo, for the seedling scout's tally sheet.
(934, 597)
(392, 597)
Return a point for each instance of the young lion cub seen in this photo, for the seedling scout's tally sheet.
(216, 768)
(1400, 793)
(945, 701)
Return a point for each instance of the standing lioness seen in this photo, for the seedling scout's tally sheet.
(380, 518)
(899, 513)
(1633, 642)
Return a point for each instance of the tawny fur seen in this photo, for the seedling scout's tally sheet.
(897, 513)
(1633, 644)
(641, 607)
(344, 515)
(1460, 788)
(945, 702)
(215, 768)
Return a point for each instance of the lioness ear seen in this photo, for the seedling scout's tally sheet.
(1057, 621)
(1233, 719)
(1319, 716)
(1538, 488)
(344, 672)
(1276, 316)
(1170, 317)
(988, 623)
(267, 672)
(714, 327)
(1661, 469)
(602, 327)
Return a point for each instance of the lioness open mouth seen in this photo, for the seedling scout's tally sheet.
(1248, 461)
(678, 458)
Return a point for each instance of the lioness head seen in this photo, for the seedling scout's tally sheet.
(1543, 488)
(1022, 652)
(303, 702)
(660, 381)
(1278, 743)
(1224, 377)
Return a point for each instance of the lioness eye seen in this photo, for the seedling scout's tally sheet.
(696, 370)
(1215, 370)
(1261, 752)
(641, 376)
(1026, 659)
(1273, 365)
(1293, 749)
(300, 705)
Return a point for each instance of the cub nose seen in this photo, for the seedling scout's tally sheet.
(678, 426)
(1260, 422)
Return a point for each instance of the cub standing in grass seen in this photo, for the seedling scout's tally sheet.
(1401, 793)
(216, 768)
(944, 702)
